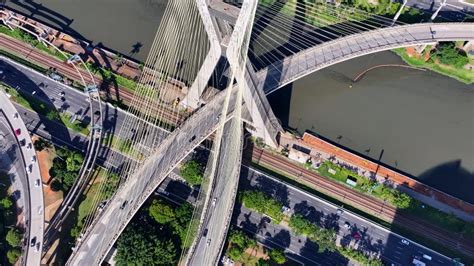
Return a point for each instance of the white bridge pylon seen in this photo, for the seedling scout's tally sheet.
(264, 121)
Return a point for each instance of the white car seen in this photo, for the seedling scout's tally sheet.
(214, 200)
(405, 242)
(33, 158)
(347, 225)
(28, 168)
(40, 210)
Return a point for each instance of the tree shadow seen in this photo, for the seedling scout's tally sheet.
(136, 48)
(309, 212)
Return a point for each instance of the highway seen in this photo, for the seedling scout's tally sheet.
(35, 223)
(373, 238)
(128, 199)
(365, 202)
(63, 98)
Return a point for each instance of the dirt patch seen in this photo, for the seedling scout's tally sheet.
(52, 199)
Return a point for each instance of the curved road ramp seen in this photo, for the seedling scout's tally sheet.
(35, 222)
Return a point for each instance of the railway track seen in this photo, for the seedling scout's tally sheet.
(372, 205)
(31, 54)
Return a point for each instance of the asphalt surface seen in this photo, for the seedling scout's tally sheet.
(143, 182)
(176, 192)
(35, 223)
(222, 192)
(372, 238)
(12, 164)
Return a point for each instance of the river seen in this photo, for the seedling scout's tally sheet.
(126, 26)
(421, 120)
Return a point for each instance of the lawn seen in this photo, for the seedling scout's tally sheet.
(461, 74)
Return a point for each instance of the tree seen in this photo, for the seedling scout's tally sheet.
(235, 253)
(161, 212)
(262, 203)
(191, 171)
(6, 203)
(74, 161)
(13, 238)
(55, 185)
(41, 144)
(183, 217)
(137, 246)
(68, 179)
(13, 255)
(448, 54)
(262, 262)
(111, 184)
(277, 256)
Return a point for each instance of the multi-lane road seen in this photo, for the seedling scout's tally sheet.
(50, 89)
(35, 221)
(362, 233)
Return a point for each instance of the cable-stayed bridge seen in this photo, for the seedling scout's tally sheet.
(285, 43)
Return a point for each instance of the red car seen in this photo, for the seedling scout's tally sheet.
(356, 236)
(18, 132)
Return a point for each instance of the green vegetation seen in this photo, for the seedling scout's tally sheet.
(13, 254)
(395, 197)
(262, 203)
(324, 237)
(154, 237)
(10, 236)
(139, 246)
(107, 75)
(111, 184)
(400, 229)
(26, 37)
(448, 54)
(111, 77)
(100, 190)
(42, 108)
(238, 243)
(277, 256)
(14, 237)
(359, 256)
(459, 73)
(192, 172)
(176, 218)
(66, 167)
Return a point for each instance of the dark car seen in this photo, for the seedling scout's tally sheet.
(123, 205)
(33, 242)
(204, 234)
(18, 132)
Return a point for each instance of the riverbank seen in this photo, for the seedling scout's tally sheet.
(461, 74)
